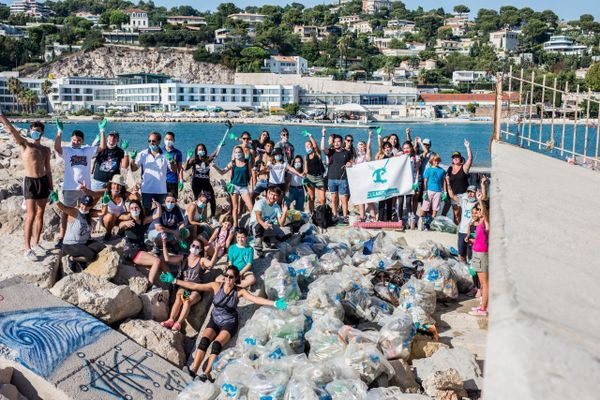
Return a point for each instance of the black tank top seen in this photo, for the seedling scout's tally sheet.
(459, 182)
(314, 165)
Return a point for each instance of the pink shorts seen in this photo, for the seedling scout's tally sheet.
(433, 204)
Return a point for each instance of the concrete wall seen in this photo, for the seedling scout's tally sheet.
(544, 330)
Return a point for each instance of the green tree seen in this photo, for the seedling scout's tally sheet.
(428, 25)
(291, 108)
(534, 33)
(114, 17)
(201, 55)
(92, 41)
(15, 87)
(460, 9)
(46, 90)
(592, 78)
(445, 33)
(487, 20)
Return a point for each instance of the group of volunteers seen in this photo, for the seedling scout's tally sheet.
(269, 180)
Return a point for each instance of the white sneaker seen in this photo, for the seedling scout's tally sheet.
(38, 249)
(30, 255)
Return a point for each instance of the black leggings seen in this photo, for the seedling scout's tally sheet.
(386, 209)
(203, 185)
(89, 250)
(409, 205)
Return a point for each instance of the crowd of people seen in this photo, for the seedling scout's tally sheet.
(269, 180)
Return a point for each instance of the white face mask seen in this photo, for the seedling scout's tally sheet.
(84, 212)
(169, 143)
(135, 213)
(195, 251)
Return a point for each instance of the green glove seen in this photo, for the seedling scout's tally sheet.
(186, 294)
(306, 133)
(102, 124)
(169, 157)
(132, 154)
(180, 186)
(53, 196)
(105, 198)
(379, 130)
(415, 186)
(230, 187)
(167, 277)
(305, 181)
(183, 245)
(190, 153)
(425, 196)
(97, 138)
(124, 144)
(231, 136)
(472, 271)
(281, 304)
(444, 196)
(59, 124)
(184, 232)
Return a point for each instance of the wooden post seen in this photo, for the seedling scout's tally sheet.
(498, 108)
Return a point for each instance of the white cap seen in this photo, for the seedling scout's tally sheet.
(427, 141)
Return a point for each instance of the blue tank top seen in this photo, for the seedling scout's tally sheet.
(225, 306)
(240, 175)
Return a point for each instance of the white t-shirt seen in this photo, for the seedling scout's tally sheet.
(78, 166)
(277, 173)
(268, 213)
(154, 171)
(296, 180)
(466, 206)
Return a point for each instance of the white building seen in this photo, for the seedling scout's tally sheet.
(186, 20)
(8, 102)
(401, 23)
(505, 40)
(13, 31)
(412, 50)
(56, 49)
(249, 18)
(564, 45)
(459, 77)
(287, 65)
(373, 6)
(93, 18)
(348, 19)
(30, 8)
(361, 27)
(445, 47)
(138, 19)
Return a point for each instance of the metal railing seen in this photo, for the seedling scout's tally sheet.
(538, 115)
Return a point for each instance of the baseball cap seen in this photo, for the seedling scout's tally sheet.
(427, 141)
(87, 201)
(114, 133)
(472, 188)
(456, 154)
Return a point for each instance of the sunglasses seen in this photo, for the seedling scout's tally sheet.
(349, 140)
(194, 246)
(246, 138)
(152, 141)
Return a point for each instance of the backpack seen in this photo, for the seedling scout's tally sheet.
(323, 217)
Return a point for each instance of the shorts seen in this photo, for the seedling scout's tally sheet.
(480, 262)
(98, 185)
(147, 199)
(131, 251)
(173, 187)
(71, 198)
(36, 188)
(239, 190)
(461, 245)
(318, 182)
(433, 204)
(231, 327)
(339, 186)
(261, 186)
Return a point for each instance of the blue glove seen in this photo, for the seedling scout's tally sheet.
(281, 304)
(167, 277)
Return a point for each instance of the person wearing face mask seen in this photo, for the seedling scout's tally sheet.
(154, 165)
(37, 183)
(175, 159)
(314, 170)
(108, 163)
(240, 182)
(78, 164)
(133, 227)
(296, 193)
(199, 162)
(196, 269)
(196, 219)
(170, 224)
(261, 174)
(77, 242)
(467, 201)
(458, 173)
(277, 169)
(286, 147)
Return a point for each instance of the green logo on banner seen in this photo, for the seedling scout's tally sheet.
(382, 194)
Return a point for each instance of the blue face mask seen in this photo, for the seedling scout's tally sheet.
(169, 206)
(154, 147)
(135, 213)
(239, 156)
(201, 205)
(278, 158)
(308, 150)
(35, 135)
(297, 165)
(201, 153)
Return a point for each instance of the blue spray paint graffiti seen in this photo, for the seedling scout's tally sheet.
(44, 337)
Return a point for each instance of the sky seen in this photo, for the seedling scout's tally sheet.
(565, 9)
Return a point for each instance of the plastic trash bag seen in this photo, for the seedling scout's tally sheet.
(393, 393)
(307, 269)
(380, 309)
(460, 273)
(347, 389)
(324, 340)
(396, 335)
(341, 249)
(418, 292)
(304, 389)
(304, 249)
(324, 292)
(267, 386)
(253, 333)
(285, 365)
(387, 292)
(235, 380)
(284, 249)
(291, 329)
(350, 276)
(316, 372)
(199, 391)
(443, 224)
(331, 262)
(420, 318)
(429, 249)
(279, 282)
(438, 273)
(352, 335)
(228, 356)
(275, 349)
(367, 361)
(357, 302)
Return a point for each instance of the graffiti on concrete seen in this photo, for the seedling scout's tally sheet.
(128, 375)
(42, 338)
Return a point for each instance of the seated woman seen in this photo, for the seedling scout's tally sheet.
(77, 242)
(196, 219)
(133, 228)
(222, 236)
(223, 324)
(194, 272)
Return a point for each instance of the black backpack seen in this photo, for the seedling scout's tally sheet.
(323, 217)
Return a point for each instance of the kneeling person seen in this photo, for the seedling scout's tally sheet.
(268, 219)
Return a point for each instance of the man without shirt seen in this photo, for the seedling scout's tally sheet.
(37, 184)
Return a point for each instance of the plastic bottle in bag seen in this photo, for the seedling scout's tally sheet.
(418, 292)
(396, 335)
(347, 389)
(253, 333)
(331, 262)
(393, 393)
(279, 282)
(357, 302)
(267, 386)
(235, 380)
(199, 391)
(353, 335)
(460, 273)
(443, 224)
(303, 389)
(325, 342)
(318, 373)
(367, 361)
(291, 329)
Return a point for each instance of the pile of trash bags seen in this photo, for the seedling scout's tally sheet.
(355, 303)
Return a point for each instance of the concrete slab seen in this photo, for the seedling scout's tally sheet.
(543, 341)
(42, 272)
(81, 357)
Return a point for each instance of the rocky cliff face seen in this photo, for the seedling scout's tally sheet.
(110, 61)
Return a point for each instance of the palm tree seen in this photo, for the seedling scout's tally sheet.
(343, 45)
(28, 99)
(15, 88)
(389, 69)
(46, 90)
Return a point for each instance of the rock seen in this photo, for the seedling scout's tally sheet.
(423, 346)
(42, 273)
(11, 392)
(157, 339)
(132, 277)
(403, 377)
(10, 189)
(6, 375)
(155, 305)
(197, 316)
(99, 297)
(106, 265)
(445, 385)
(459, 359)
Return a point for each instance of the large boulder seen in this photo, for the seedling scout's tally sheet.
(445, 385)
(99, 297)
(132, 277)
(42, 273)
(459, 359)
(155, 305)
(106, 265)
(157, 339)
(403, 377)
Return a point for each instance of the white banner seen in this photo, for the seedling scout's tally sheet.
(381, 179)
